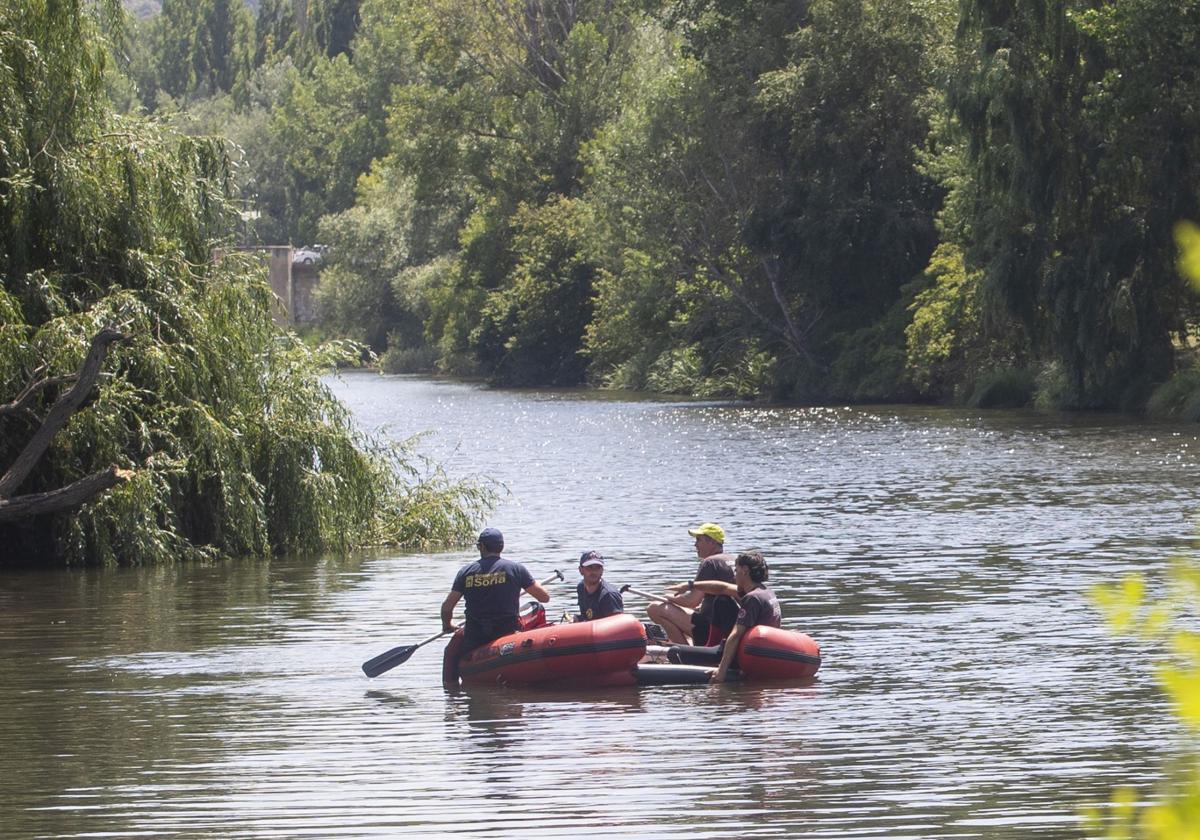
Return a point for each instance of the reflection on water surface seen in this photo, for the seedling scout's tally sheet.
(941, 558)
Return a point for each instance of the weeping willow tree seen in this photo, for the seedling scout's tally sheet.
(1083, 140)
(153, 411)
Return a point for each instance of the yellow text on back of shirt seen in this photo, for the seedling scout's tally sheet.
(489, 579)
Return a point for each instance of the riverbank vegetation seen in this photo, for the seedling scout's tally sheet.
(152, 411)
(946, 200)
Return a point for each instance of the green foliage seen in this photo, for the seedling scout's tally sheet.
(326, 133)
(383, 259)
(333, 24)
(945, 322)
(1187, 238)
(491, 130)
(1052, 390)
(632, 308)
(1003, 388)
(236, 445)
(402, 359)
(677, 371)
(769, 177)
(745, 177)
(743, 372)
(274, 28)
(869, 364)
(200, 47)
(1178, 397)
(951, 353)
(1166, 619)
(642, 217)
(1082, 144)
(539, 316)
(856, 215)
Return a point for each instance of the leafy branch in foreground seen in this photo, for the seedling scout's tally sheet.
(1176, 814)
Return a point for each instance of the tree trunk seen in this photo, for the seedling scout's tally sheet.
(64, 498)
(59, 413)
(81, 491)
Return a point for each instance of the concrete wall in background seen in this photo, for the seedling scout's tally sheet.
(279, 272)
(304, 286)
(294, 285)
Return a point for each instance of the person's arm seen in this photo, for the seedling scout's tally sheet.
(610, 604)
(704, 587)
(618, 603)
(684, 595)
(448, 611)
(731, 646)
(538, 591)
(718, 587)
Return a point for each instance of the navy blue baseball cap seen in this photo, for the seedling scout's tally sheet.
(491, 538)
(591, 558)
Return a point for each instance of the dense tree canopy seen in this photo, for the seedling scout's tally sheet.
(133, 362)
(815, 200)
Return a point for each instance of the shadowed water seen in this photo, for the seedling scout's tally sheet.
(941, 557)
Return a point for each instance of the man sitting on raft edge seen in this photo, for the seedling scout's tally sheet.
(492, 587)
(758, 606)
(694, 616)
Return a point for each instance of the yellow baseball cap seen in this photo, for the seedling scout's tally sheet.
(709, 529)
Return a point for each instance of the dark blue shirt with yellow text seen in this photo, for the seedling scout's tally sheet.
(492, 588)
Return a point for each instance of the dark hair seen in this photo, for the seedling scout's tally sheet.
(755, 564)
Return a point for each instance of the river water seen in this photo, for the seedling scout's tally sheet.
(941, 557)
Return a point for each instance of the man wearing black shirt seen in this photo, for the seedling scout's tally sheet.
(597, 597)
(691, 614)
(758, 605)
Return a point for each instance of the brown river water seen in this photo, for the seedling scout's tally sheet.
(941, 557)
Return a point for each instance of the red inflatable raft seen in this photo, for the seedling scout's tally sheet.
(583, 654)
(606, 652)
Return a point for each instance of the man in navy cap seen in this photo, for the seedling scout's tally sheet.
(492, 587)
(597, 597)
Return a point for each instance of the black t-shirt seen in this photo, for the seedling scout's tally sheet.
(492, 587)
(720, 610)
(759, 606)
(602, 603)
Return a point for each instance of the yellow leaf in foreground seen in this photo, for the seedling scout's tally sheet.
(1187, 237)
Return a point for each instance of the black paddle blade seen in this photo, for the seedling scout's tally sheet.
(388, 660)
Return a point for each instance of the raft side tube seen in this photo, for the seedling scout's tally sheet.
(587, 652)
(770, 653)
